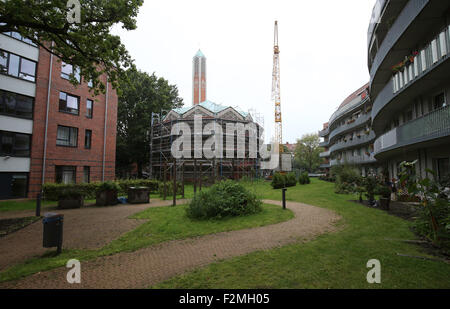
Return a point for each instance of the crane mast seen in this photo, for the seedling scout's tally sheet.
(276, 98)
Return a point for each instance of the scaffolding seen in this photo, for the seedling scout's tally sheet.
(200, 171)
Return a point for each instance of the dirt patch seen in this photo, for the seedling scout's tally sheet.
(406, 211)
(8, 226)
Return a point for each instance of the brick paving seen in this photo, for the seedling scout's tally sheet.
(148, 266)
(84, 228)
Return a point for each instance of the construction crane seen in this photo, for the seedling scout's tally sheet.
(276, 90)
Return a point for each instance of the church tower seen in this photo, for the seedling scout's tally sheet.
(198, 78)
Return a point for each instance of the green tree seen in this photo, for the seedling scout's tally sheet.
(88, 44)
(307, 153)
(142, 94)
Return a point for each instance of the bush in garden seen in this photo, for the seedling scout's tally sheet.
(291, 180)
(347, 178)
(278, 181)
(304, 179)
(169, 188)
(88, 190)
(371, 185)
(423, 225)
(224, 199)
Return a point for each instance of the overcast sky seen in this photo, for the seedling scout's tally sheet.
(323, 56)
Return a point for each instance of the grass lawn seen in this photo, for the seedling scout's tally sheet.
(164, 224)
(335, 260)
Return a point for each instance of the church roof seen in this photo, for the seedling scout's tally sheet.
(211, 106)
(199, 54)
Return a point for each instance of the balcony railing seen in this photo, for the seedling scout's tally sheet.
(403, 21)
(324, 132)
(363, 159)
(324, 154)
(325, 165)
(365, 138)
(431, 126)
(324, 144)
(364, 118)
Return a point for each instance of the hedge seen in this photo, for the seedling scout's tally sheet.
(52, 191)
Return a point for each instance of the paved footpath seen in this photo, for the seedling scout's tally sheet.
(84, 228)
(148, 266)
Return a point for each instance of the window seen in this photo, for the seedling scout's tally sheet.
(89, 108)
(90, 84)
(408, 115)
(16, 105)
(67, 71)
(87, 174)
(67, 136)
(87, 139)
(69, 103)
(19, 37)
(439, 101)
(443, 168)
(15, 144)
(17, 66)
(14, 185)
(65, 174)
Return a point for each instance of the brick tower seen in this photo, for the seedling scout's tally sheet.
(198, 78)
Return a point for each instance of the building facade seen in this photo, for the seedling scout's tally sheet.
(348, 136)
(408, 60)
(229, 161)
(50, 130)
(408, 117)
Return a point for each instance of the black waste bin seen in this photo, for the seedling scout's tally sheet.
(53, 230)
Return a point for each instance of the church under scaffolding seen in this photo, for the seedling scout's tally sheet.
(203, 169)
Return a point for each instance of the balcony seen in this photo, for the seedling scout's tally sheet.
(428, 69)
(325, 165)
(324, 144)
(362, 120)
(430, 127)
(324, 132)
(396, 39)
(325, 154)
(358, 160)
(364, 139)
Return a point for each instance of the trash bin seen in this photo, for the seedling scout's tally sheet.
(53, 230)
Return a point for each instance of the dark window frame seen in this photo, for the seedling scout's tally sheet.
(22, 38)
(91, 109)
(70, 131)
(4, 93)
(14, 149)
(88, 169)
(67, 76)
(66, 110)
(87, 143)
(59, 170)
(19, 70)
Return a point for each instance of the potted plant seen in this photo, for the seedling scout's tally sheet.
(106, 194)
(385, 196)
(70, 198)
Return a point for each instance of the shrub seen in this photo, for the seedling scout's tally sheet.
(278, 181)
(169, 186)
(441, 212)
(224, 199)
(383, 191)
(291, 180)
(347, 178)
(89, 190)
(371, 185)
(108, 186)
(304, 179)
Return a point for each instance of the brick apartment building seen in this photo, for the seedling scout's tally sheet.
(50, 130)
